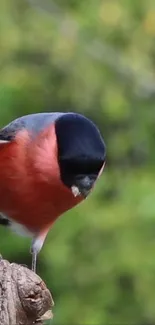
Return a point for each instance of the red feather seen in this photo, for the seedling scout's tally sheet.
(31, 191)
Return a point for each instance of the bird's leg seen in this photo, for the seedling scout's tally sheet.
(36, 246)
(34, 252)
(34, 262)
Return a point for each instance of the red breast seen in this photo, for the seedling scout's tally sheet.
(31, 190)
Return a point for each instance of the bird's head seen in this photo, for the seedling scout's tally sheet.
(81, 152)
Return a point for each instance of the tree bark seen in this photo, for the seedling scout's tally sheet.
(24, 297)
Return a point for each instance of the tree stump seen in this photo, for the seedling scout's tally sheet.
(24, 297)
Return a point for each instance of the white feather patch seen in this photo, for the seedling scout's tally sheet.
(18, 228)
(4, 141)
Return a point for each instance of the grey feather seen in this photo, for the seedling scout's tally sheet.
(32, 122)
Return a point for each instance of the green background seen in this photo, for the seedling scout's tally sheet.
(97, 58)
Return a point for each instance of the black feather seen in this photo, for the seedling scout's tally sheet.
(78, 137)
(81, 148)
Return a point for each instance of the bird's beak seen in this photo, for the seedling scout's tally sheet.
(83, 186)
(75, 190)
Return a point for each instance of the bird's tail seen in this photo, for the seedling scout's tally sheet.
(4, 221)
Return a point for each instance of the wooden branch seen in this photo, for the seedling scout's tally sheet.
(24, 297)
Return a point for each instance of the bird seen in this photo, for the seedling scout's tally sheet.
(49, 163)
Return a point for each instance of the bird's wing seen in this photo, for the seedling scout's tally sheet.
(33, 122)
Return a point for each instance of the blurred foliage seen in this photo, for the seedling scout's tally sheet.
(97, 58)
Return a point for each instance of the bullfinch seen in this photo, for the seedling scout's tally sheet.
(49, 163)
